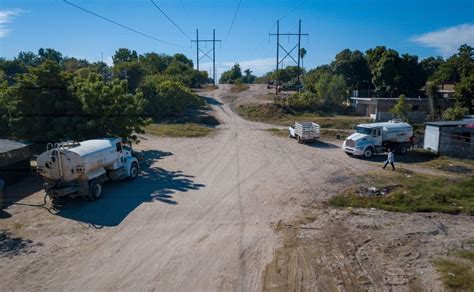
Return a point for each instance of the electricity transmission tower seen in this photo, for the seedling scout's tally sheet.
(288, 52)
(200, 54)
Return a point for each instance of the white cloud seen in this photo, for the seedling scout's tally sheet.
(447, 40)
(109, 61)
(6, 16)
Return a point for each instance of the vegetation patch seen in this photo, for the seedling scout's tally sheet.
(456, 273)
(275, 114)
(239, 87)
(179, 130)
(414, 193)
(278, 132)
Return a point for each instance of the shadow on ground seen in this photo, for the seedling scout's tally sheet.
(20, 190)
(212, 101)
(410, 157)
(322, 144)
(154, 184)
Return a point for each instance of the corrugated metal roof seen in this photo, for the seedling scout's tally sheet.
(9, 145)
(388, 125)
(451, 123)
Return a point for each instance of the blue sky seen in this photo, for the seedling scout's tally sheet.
(423, 28)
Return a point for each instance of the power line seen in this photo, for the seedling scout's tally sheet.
(287, 14)
(233, 20)
(124, 26)
(169, 18)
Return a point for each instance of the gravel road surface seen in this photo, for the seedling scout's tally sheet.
(205, 214)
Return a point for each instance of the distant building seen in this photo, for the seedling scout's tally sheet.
(450, 138)
(14, 161)
(367, 103)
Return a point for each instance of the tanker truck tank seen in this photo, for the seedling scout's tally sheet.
(81, 168)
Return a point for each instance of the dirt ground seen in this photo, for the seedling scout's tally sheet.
(241, 210)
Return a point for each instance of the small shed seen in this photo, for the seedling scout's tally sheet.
(14, 161)
(450, 138)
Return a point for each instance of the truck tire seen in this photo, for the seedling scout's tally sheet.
(402, 149)
(368, 152)
(133, 171)
(95, 189)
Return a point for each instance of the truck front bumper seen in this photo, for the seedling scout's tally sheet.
(353, 151)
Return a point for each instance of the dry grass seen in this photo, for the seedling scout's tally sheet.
(273, 114)
(179, 130)
(278, 132)
(236, 88)
(413, 193)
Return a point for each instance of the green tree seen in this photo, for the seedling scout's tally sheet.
(399, 111)
(353, 67)
(28, 59)
(109, 109)
(303, 53)
(385, 72)
(71, 64)
(124, 55)
(465, 92)
(43, 108)
(457, 66)
(49, 54)
(455, 113)
(231, 75)
(311, 78)
(130, 71)
(248, 78)
(167, 97)
(410, 75)
(154, 63)
(430, 66)
(289, 73)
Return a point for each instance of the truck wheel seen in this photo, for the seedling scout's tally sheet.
(95, 190)
(368, 152)
(133, 171)
(402, 149)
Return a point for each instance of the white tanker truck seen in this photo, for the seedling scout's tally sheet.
(81, 168)
(378, 137)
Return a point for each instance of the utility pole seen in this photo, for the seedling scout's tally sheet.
(197, 49)
(289, 53)
(200, 54)
(214, 56)
(278, 55)
(299, 48)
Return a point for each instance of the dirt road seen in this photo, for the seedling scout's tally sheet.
(214, 213)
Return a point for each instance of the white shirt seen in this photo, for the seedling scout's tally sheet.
(391, 157)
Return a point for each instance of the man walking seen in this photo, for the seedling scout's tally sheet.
(390, 159)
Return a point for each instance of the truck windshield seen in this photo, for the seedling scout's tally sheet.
(363, 130)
